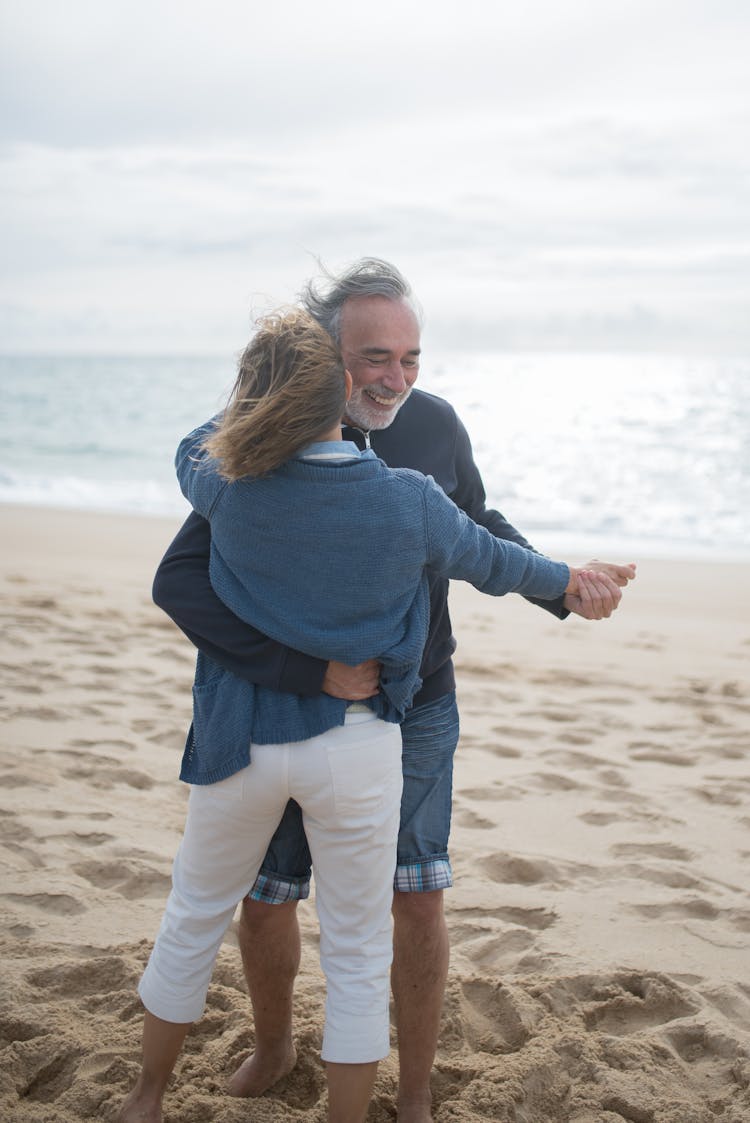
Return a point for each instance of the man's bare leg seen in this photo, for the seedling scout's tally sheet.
(349, 1091)
(270, 946)
(162, 1042)
(420, 969)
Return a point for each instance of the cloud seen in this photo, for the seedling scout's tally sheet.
(140, 72)
(530, 167)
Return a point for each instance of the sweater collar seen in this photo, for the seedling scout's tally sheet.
(329, 450)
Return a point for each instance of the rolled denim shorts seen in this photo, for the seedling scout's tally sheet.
(429, 735)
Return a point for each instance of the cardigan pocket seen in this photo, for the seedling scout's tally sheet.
(218, 743)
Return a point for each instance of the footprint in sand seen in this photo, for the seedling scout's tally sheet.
(21, 931)
(506, 752)
(485, 938)
(97, 816)
(100, 669)
(27, 854)
(609, 700)
(110, 742)
(38, 713)
(448, 1080)
(487, 950)
(666, 850)
(20, 1029)
(628, 1003)
(101, 975)
(92, 838)
(538, 920)
(670, 877)
(62, 904)
(510, 869)
(487, 794)
(714, 1061)
(105, 778)
(719, 790)
(612, 778)
(13, 831)
(727, 748)
(600, 818)
(128, 879)
(465, 817)
(570, 738)
(695, 908)
(726, 928)
(83, 759)
(555, 782)
(660, 754)
(20, 780)
(47, 1081)
(492, 1018)
(732, 1002)
(586, 761)
(49, 1072)
(46, 604)
(550, 714)
(109, 1066)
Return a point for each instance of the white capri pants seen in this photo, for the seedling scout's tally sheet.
(348, 783)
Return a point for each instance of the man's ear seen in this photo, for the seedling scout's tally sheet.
(348, 382)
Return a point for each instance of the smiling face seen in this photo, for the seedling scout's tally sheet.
(380, 348)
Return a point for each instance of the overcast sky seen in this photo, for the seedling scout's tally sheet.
(548, 175)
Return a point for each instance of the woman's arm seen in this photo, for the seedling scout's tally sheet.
(460, 549)
(183, 590)
(197, 473)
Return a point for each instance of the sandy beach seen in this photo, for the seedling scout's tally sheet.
(600, 921)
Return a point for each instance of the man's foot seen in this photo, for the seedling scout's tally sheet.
(136, 1109)
(261, 1071)
(414, 1111)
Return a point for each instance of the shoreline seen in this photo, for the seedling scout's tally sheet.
(600, 919)
(554, 542)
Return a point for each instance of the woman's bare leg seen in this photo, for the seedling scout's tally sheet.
(270, 945)
(162, 1042)
(349, 1091)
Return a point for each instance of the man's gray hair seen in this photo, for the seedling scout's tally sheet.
(370, 276)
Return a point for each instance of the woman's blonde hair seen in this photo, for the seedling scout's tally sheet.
(290, 390)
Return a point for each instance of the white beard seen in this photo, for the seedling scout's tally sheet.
(362, 412)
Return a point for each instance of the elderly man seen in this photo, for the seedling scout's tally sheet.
(370, 313)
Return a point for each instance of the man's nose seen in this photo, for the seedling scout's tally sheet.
(394, 377)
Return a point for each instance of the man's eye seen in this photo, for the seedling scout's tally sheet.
(410, 363)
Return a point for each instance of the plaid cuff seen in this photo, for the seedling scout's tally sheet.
(277, 890)
(423, 876)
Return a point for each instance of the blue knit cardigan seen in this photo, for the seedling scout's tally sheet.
(329, 557)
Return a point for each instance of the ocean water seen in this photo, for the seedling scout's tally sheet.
(639, 454)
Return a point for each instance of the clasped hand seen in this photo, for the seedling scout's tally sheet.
(599, 591)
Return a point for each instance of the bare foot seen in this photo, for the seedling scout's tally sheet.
(413, 1111)
(261, 1071)
(137, 1109)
